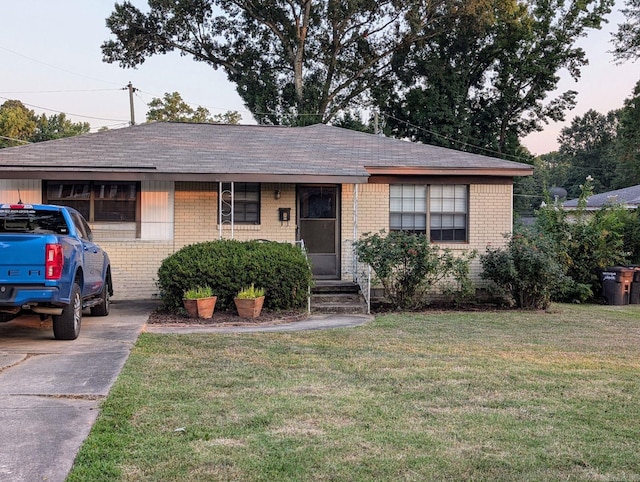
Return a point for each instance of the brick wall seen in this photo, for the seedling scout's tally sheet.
(372, 216)
(135, 262)
(490, 217)
(134, 267)
(192, 199)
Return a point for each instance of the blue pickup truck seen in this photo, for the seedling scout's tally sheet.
(50, 266)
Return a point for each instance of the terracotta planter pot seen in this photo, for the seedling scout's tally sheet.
(201, 307)
(249, 307)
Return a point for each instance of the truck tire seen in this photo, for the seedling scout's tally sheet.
(103, 308)
(67, 325)
(4, 317)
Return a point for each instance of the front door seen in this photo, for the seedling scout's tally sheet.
(319, 228)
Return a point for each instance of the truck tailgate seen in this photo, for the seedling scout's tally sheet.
(22, 258)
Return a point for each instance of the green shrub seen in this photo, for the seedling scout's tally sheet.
(227, 266)
(408, 266)
(526, 272)
(631, 235)
(588, 241)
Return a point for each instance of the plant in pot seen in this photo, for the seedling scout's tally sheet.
(249, 301)
(199, 302)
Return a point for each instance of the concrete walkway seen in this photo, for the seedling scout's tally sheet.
(50, 390)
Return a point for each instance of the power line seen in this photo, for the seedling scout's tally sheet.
(66, 113)
(56, 91)
(455, 141)
(92, 90)
(14, 139)
(56, 67)
(194, 104)
(110, 126)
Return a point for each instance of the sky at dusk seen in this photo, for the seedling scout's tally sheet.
(52, 62)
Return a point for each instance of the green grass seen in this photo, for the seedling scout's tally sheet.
(435, 396)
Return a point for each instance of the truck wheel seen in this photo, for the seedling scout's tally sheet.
(103, 308)
(67, 325)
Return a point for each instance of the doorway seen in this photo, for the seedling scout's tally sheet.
(319, 228)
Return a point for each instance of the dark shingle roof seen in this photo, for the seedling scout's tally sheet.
(198, 151)
(629, 197)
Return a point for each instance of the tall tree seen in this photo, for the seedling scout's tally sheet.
(628, 140)
(17, 123)
(57, 126)
(293, 61)
(483, 78)
(172, 108)
(627, 39)
(587, 147)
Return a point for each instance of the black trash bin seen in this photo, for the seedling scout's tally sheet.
(634, 295)
(616, 285)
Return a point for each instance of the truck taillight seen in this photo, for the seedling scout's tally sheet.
(54, 261)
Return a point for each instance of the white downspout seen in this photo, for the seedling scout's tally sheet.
(355, 231)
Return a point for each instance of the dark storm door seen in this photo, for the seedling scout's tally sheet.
(319, 228)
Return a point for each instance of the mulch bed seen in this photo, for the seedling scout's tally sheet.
(231, 318)
(224, 318)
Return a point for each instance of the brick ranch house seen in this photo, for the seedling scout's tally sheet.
(148, 190)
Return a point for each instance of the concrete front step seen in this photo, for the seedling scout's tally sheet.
(324, 287)
(346, 308)
(337, 297)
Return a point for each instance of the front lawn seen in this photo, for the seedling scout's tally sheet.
(436, 396)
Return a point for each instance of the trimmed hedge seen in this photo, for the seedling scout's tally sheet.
(227, 266)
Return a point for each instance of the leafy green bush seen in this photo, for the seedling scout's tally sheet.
(408, 266)
(526, 272)
(227, 266)
(631, 235)
(588, 241)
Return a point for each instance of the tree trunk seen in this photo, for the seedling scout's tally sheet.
(303, 28)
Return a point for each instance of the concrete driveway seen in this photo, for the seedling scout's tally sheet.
(50, 390)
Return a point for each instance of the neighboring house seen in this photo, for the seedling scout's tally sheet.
(628, 198)
(149, 190)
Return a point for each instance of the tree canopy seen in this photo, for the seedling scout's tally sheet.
(292, 61)
(483, 78)
(602, 147)
(627, 39)
(587, 147)
(628, 140)
(20, 125)
(17, 123)
(477, 72)
(172, 108)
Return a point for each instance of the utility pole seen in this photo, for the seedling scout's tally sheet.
(132, 89)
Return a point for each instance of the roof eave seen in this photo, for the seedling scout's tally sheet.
(453, 171)
(153, 175)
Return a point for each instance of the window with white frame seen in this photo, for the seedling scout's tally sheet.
(448, 212)
(443, 207)
(408, 208)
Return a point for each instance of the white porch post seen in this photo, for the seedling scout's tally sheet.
(221, 205)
